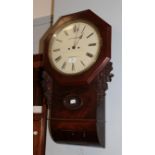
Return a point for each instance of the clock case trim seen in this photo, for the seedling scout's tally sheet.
(104, 56)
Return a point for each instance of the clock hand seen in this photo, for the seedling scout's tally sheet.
(74, 44)
(82, 33)
(79, 40)
(83, 29)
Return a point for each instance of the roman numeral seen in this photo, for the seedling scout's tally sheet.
(66, 33)
(75, 29)
(73, 67)
(60, 41)
(89, 55)
(64, 65)
(82, 63)
(92, 44)
(90, 35)
(58, 58)
(56, 50)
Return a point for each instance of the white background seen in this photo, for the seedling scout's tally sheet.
(111, 12)
(16, 95)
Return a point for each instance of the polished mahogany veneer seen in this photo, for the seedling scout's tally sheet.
(77, 102)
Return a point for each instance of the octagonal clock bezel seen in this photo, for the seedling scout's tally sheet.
(105, 50)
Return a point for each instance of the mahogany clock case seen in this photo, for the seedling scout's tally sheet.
(104, 57)
(81, 123)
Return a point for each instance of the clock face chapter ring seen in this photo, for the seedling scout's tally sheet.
(74, 47)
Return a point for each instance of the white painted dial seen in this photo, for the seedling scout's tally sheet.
(75, 47)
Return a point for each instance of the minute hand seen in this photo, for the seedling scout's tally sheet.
(80, 37)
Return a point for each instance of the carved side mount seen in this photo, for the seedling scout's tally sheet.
(101, 86)
(102, 79)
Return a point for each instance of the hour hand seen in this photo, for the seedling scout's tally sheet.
(81, 36)
(79, 39)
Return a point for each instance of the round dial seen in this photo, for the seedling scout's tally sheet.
(74, 47)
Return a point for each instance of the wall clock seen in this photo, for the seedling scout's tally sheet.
(77, 66)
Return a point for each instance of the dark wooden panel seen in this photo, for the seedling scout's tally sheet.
(37, 76)
(39, 119)
(75, 131)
